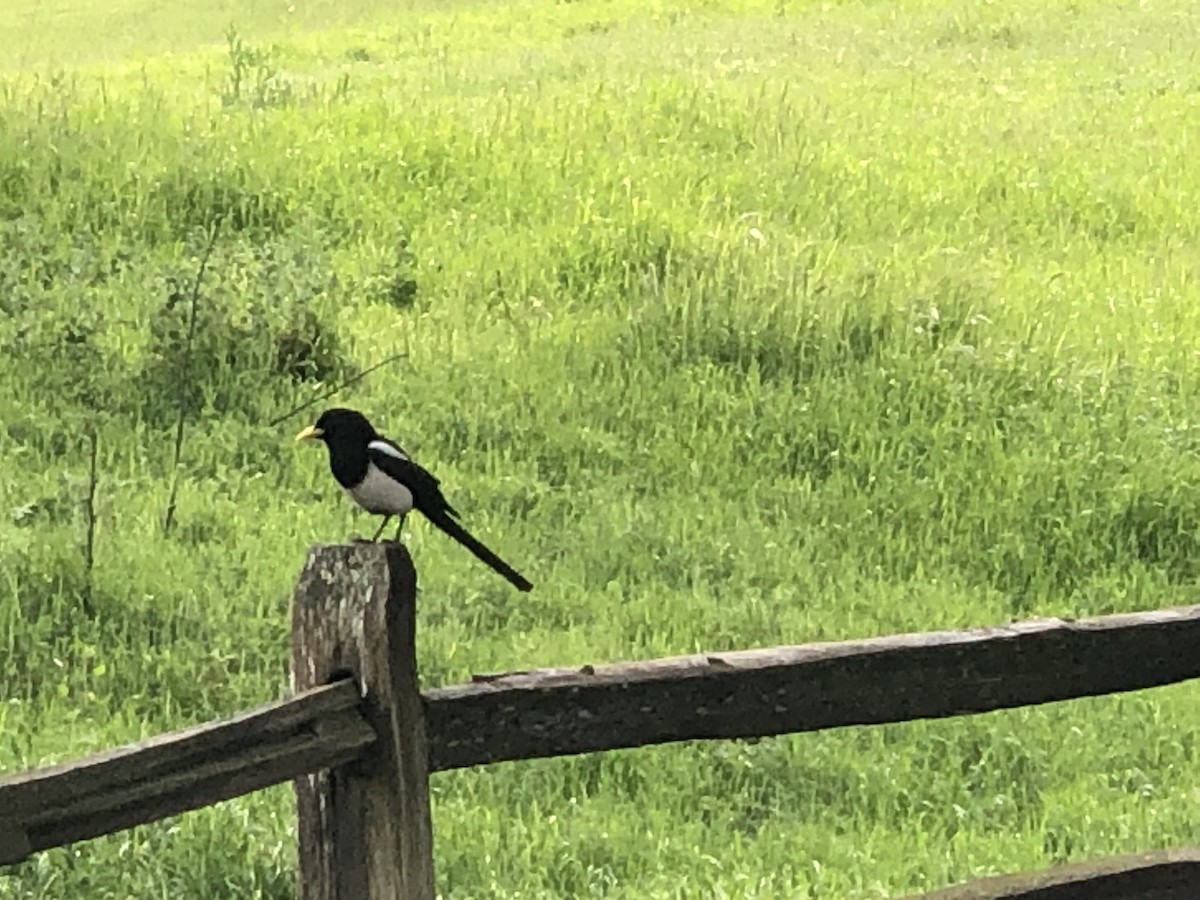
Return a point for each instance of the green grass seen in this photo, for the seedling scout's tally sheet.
(731, 324)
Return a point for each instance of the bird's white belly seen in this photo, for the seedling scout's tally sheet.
(381, 494)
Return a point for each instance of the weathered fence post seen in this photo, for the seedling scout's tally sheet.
(364, 829)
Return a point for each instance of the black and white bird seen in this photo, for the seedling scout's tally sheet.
(379, 476)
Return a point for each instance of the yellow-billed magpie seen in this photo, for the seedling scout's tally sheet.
(379, 476)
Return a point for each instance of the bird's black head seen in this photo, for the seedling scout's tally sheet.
(340, 428)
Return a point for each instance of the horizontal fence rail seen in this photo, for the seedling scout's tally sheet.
(758, 693)
(179, 771)
(359, 740)
(1162, 875)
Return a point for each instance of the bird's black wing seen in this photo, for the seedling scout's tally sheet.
(395, 463)
(428, 498)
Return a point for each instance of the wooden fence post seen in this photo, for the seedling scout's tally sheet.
(364, 829)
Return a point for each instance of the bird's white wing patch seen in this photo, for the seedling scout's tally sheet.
(387, 449)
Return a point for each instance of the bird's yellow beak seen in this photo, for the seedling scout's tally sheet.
(312, 431)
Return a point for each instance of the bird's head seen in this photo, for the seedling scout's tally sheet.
(340, 427)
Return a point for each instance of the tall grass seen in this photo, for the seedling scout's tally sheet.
(732, 325)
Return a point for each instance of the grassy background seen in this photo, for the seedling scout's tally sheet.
(730, 324)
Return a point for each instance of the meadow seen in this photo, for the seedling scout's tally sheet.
(731, 323)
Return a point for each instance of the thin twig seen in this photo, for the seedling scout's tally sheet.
(89, 512)
(329, 393)
(185, 374)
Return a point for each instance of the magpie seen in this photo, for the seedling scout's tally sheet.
(381, 478)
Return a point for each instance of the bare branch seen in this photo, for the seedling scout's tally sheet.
(185, 374)
(279, 420)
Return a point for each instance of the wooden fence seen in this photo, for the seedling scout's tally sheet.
(360, 740)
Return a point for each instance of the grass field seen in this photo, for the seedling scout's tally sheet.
(730, 323)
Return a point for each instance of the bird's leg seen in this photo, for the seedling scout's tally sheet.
(400, 527)
(382, 525)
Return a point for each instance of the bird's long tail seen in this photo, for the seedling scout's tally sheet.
(464, 537)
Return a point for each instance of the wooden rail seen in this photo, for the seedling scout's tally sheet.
(360, 741)
(1164, 875)
(183, 770)
(784, 690)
